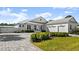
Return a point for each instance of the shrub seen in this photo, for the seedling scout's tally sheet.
(40, 36)
(43, 30)
(59, 34)
(44, 35)
(17, 32)
(23, 31)
(35, 38)
(75, 32)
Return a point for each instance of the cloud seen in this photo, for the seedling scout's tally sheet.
(72, 8)
(46, 15)
(59, 17)
(8, 9)
(69, 8)
(68, 12)
(7, 16)
(24, 10)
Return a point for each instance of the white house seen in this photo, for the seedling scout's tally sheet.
(37, 24)
(67, 24)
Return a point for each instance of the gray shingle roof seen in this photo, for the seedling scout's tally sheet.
(63, 20)
(36, 20)
(24, 21)
(42, 20)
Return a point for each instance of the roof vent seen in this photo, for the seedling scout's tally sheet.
(68, 16)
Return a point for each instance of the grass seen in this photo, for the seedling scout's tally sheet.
(59, 44)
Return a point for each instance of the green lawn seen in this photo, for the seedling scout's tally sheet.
(59, 44)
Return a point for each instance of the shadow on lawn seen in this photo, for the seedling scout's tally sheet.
(10, 37)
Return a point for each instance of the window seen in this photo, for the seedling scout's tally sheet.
(62, 26)
(28, 27)
(41, 27)
(35, 27)
(22, 25)
(19, 25)
(70, 26)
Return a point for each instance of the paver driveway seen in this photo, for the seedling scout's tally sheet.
(16, 42)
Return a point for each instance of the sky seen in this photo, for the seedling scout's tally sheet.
(16, 14)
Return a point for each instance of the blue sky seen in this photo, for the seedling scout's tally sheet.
(16, 14)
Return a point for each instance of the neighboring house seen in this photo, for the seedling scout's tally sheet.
(67, 24)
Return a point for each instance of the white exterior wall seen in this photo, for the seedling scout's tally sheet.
(58, 28)
(73, 26)
(38, 26)
(21, 28)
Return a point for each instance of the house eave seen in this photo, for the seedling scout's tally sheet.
(57, 23)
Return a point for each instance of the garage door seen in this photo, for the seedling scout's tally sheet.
(61, 29)
(53, 29)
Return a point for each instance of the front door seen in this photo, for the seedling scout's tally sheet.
(41, 27)
(28, 27)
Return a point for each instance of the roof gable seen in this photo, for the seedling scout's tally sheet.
(73, 20)
(39, 20)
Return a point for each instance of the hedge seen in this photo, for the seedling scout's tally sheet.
(47, 35)
(39, 36)
(59, 34)
(35, 38)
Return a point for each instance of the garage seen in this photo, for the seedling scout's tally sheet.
(61, 29)
(54, 29)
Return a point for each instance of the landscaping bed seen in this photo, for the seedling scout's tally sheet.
(55, 41)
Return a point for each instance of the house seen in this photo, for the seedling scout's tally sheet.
(37, 24)
(67, 24)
